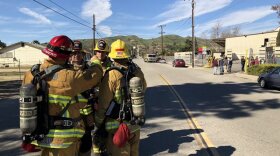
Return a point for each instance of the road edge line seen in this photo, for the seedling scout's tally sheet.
(204, 139)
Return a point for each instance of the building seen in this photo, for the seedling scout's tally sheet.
(262, 45)
(23, 53)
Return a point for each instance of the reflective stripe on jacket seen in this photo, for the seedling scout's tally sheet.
(110, 89)
(63, 86)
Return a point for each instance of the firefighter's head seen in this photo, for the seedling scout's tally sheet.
(77, 55)
(119, 50)
(77, 46)
(59, 47)
(101, 50)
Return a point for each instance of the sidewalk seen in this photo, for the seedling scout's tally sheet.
(236, 74)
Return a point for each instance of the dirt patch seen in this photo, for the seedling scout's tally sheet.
(9, 74)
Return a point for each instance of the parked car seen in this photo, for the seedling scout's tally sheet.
(161, 60)
(270, 79)
(178, 63)
(150, 58)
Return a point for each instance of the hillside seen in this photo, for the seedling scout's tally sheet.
(171, 43)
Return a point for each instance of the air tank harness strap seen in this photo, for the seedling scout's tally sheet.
(59, 122)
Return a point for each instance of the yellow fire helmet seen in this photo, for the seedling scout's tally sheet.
(102, 46)
(119, 50)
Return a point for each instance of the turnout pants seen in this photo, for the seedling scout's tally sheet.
(131, 148)
(72, 150)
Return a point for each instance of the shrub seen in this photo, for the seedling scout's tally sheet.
(259, 69)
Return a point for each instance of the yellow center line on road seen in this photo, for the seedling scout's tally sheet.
(200, 136)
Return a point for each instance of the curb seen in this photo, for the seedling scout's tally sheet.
(240, 75)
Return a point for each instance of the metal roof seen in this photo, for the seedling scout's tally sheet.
(20, 44)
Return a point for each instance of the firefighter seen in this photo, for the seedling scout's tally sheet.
(76, 60)
(66, 128)
(110, 94)
(101, 51)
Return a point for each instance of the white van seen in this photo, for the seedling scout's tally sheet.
(150, 58)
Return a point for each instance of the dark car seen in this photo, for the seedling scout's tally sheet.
(178, 63)
(270, 79)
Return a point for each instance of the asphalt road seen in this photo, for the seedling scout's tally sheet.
(234, 115)
(238, 116)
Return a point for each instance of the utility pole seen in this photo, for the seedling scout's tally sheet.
(161, 33)
(193, 45)
(93, 29)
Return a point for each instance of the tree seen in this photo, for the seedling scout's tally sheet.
(196, 46)
(276, 8)
(236, 31)
(35, 42)
(216, 30)
(188, 45)
(231, 32)
(2, 44)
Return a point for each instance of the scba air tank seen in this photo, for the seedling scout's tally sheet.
(137, 97)
(28, 108)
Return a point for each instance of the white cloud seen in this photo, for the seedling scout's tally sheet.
(106, 30)
(4, 20)
(182, 9)
(125, 16)
(39, 19)
(24, 32)
(239, 17)
(101, 9)
(261, 26)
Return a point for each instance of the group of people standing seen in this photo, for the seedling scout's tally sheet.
(220, 64)
(68, 100)
(251, 61)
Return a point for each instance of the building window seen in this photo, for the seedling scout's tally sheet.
(7, 55)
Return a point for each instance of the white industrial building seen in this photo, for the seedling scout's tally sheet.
(23, 53)
(261, 44)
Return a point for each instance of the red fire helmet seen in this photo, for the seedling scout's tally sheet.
(59, 47)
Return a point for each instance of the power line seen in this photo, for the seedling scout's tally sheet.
(178, 29)
(98, 34)
(68, 11)
(62, 14)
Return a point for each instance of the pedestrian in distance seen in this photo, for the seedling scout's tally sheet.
(229, 65)
(221, 66)
(257, 62)
(226, 62)
(65, 127)
(215, 65)
(242, 62)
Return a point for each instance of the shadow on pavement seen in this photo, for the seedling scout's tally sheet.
(209, 99)
(9, 88)
(222, 150)
(165, 140)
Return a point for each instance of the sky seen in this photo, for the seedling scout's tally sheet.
(28, 20)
